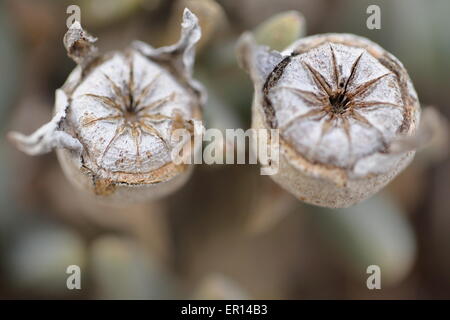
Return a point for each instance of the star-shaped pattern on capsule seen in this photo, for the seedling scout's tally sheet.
(339, 103)
(129, 110)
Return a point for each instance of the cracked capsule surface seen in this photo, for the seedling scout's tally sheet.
(115, 114)
(343, 106)
(337, 104)
(123, 113)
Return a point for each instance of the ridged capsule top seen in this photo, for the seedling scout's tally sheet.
(124, 113)
(336, 103)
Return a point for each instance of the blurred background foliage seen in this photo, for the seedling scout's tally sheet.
(229, 233)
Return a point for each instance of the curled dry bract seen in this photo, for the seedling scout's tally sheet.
(115, 114)
(340, 102)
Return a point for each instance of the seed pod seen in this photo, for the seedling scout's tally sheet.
(115, 114)
(340, 102)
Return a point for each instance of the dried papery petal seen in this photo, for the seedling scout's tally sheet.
(258, 61)
(180, 55)
(49, 136)
(80, 44)
(340, 101)
(212, 19)
(433, 126)
(115, 115)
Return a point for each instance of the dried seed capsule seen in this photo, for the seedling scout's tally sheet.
(115, 114)
(340, 102)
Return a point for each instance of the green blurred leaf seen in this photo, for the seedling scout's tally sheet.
(374, 232)
(281, 30)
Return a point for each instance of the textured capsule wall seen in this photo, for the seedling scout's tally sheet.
(116, 139)
(301, 99)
